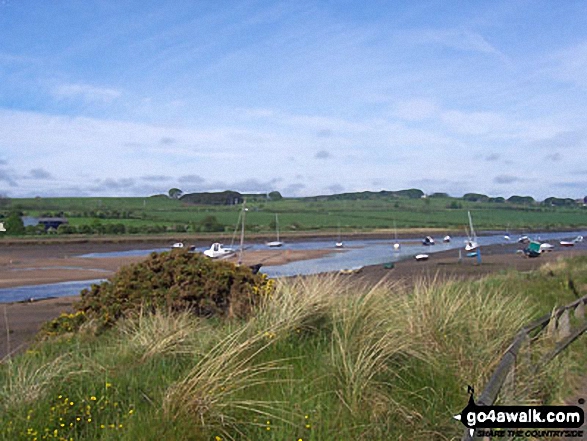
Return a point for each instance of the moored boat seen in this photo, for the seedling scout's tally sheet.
(471, 243)
(276, 243)
(219, 251)
(428, 240)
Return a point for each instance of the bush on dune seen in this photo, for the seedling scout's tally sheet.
(170, 281)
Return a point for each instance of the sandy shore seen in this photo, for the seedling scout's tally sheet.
(28, 265)
(19, 322)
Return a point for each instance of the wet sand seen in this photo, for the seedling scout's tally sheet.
(30, 265)
(19, 322)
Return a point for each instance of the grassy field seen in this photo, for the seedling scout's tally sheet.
(322, 359)
(138, 214)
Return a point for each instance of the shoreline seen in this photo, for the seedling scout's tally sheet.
(202, 239)
(22, 320)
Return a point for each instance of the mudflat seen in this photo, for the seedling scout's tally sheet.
(19, 322)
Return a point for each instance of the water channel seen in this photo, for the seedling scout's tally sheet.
(355, 254)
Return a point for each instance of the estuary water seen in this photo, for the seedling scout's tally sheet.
(355, 254)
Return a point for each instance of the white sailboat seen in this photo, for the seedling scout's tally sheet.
(471, 244)
(242, 241)
(571, 243)
(276, 243)
(339, 243)
(219, 251)
(396, 244)
(506, 236)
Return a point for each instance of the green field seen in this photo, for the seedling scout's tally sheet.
(161, 214)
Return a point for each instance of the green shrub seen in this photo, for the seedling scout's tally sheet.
(171, 281)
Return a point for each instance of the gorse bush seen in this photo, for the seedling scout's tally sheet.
(170, 281)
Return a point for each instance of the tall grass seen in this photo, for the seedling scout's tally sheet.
(30, 380)
(213, 395)
(150, 335)
(321, 359)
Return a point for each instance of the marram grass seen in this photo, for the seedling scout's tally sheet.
(321, 359)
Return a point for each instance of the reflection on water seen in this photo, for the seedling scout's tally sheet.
(356, 253)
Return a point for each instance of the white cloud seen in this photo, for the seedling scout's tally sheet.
(474, 123)
(570, 65)
(415, 109)
(459, 39)
(86, 92)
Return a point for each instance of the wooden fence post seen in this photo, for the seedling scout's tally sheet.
(580, 311)
(564, 326)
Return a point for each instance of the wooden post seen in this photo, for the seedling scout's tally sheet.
(580, 311)
(564, 326)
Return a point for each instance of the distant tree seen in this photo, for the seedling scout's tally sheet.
(475, 197)
(439, 195)
(521, 200)
(412, 193)
(14, 225)
(497, 200)
(275, 196)
(559, 202)
(4, 201)
(175, 193)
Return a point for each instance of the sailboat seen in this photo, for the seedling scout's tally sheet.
(506, 236)
(339, 243)
(570, 243)
(219, 251)
(396, 244)
(471, 244)
(276, 243)
(242, 241)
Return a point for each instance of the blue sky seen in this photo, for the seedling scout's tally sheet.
(110, 98)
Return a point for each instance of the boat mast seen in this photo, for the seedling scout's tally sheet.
(474, 236)
(277, 226)
(241, 249)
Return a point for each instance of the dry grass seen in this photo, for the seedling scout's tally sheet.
(467, 325)
(160, 333)
(28, 380)
(366, 347)
(213, 395)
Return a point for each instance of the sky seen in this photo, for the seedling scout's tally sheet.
(132, 98)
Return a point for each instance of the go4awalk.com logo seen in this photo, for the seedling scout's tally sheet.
(516, 421)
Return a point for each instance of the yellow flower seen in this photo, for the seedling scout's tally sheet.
(217, 438)
(108, 385)
(93, 398)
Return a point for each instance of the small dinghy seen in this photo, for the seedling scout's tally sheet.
(428, 240)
